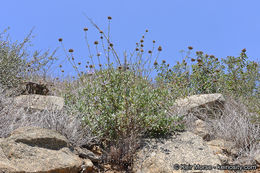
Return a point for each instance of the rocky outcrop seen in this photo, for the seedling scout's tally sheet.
(37, 150)
(201, 105)
(39, 102)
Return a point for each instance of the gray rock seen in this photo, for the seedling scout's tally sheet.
(185, 148)
(204, 104)
(39, 102)
(40, 151)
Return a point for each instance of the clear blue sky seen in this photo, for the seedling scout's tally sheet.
(218, 27)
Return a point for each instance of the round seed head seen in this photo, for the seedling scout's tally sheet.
(120, 67)
(192, 59)
(91, 66)
(101, 37)
(149, 51)
(79, 63)
(101, 32)
(71, 50)
(142, 45)
(109, 17)
(244, 50)
(60, 66)
(168, 65)
(98, 54)
(160, 48)
(190, 47)
(155, 63)
(86, 66)
(62, 71)
(96, 42)
(142, 41)
(136, 49)
(100, 65)
(60, 39)
(153, 41)
(141, 50)
(85, 29)
(163, 61)
(199, 60)
(111, 45)
(212, 56)
(146, 30)
(170, 70)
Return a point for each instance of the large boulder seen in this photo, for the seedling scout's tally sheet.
(39, 102)
(158, 156)
(38, 150)
(201, 105)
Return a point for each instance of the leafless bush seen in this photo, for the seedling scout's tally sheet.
(13, 117)
(236, 125)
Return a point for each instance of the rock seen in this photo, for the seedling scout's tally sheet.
(39, 102)
(37, 150)
(34, 88)
(86, 154)
(161, 156)
(200, 105)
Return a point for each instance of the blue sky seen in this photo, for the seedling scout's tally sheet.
(219, 27)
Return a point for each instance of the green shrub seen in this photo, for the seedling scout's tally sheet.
(114, 103)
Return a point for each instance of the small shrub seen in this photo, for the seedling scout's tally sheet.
(15, 64)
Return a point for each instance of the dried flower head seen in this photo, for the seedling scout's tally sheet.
(85, 29)
(111, 45)
(109, 17)
(96, 42)
(101, 32)
(155, 63)
(206, 55)
(160, 48)
(98, 54)
(127, 68)
(163, 61)
(199, 52)
(101, 37)
(100, 65)
(141, 50)
(168, 65)
(86, 66)
(60, 39)
(120, 67)
(244, 50)
(192, 59)
(91, 66)
(60, 66)
(136, 49)
(153, 41)
(170, 70)
(71, 50)
(72, 58)
(142, 45)
(142, 41)
(62, 71)
(199, 60)
(190, 47)
(146, 30)
(212, 56)
(149, 51)
(79, 63)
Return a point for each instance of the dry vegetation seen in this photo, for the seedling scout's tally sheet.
(127, 104)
